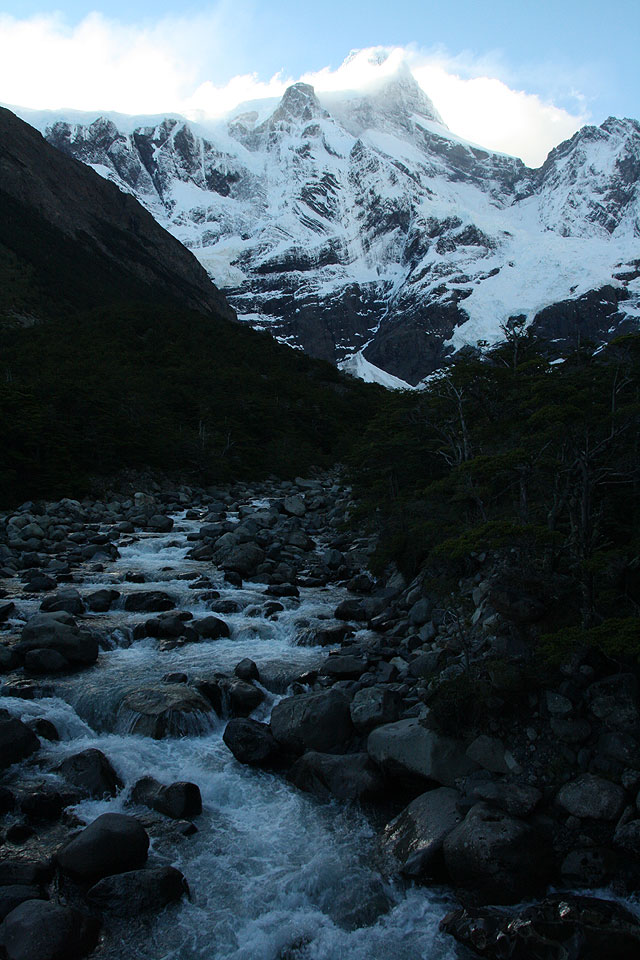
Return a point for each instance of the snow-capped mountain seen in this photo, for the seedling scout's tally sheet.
(359, 228)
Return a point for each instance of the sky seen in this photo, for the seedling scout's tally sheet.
(512, 76)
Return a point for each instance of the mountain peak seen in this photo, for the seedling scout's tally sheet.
(299, 102)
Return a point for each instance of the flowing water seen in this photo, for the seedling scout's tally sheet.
(273, 872)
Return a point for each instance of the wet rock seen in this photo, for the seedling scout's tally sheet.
(169, 626)
(149, 601)
(415, 837)
(171, 709)
(6, 610)
(373, 706)
(101, 600)
(627, 837)
(17, 741)
(158, 523)
(211, 628)
(517, 799)
(316, 721)
(38, 930)
(243, 559)
(247, 670)
(589, 867)
(347, 777)
(15, 894)
(41, 662)
(68, 600)
(359, 905)
(500, 858)
(562, 927)
(43, 804)
(593, 797)
(138, 891)
(350, 610)
(111, 844)
(180, 800)
(60, 632)
(488, 753)
(25, 872)
(409, 747)
(91, 772)
(344, 667)
(252, 743)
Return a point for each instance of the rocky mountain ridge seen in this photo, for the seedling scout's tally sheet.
(359, 228)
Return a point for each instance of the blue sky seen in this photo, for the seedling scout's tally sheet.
(577, 57)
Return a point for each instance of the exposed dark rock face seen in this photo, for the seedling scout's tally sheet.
(71, 206)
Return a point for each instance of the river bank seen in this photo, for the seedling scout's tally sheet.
(231, 645)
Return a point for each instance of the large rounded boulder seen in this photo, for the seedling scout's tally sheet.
(314, 721)
(113, 843)
(165, 710)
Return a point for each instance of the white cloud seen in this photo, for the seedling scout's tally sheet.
(101, 64)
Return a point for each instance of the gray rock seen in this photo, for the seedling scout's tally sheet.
(316, 721)
(415, 837)
(488, 753)
(570, 730)
(17, 742)
(517, 799)
(373, 706)
(252, 743)
(627, 836)
(347, 777)
(40, 662)
(158, 523)
(502, 859)
(243, 559)
(589, 867)
(593, 797)
(344, 667)
(111, 844)
(294, 506)
(92, 772)
(247, 670)
(166, 710)
(180, 800)
(211, 628)
(68, 600)
(350, 610)
(101, 600)
(420, 612)
(148, 601)
(138, 891)
(409, 747)
(58, 631)
(14, 894)
(561, 927)
(38, 930)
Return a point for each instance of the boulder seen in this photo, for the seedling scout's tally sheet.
(171, 709)
(211, 628)
(294, 506)
(17, 741)
(68, 600)
(627, 837)
(373, 706)
(40, 662)
(343, 667)
(38, 930)
(138, 891)
(14, 894)
(91, 772)
(590, 867)
(101, 600)
(415, 837)
(500, 858)
(180, 800)
(593, 797)
(158, 523)
(517, 799)
(58, 631)
(409, 747)
(562, 927)
(111, 844)
(247, 670)
(148, 601)
(348, 777)
(252, 743)
(488, 753)
(243, 559)
(316, 721)
(350, 610)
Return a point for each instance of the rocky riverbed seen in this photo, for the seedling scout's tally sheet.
(222, 737)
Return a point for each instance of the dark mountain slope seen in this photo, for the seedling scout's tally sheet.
(87, 242)
(116, 350)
